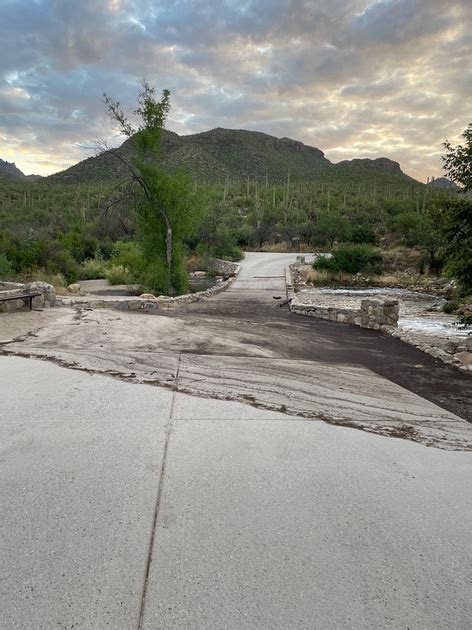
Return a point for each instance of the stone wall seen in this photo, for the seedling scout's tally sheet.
(148, 303)
(223, 267)
(10, 289)
(374, 314)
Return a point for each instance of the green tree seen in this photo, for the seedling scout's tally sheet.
(168, 206)
(453, 216)
(330, 227)
(458, 160)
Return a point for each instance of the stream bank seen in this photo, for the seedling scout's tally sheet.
(421, 321)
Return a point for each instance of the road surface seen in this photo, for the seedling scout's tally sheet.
(128, 505)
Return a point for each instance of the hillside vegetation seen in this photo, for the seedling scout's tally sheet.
(260, 193)
(220, 154)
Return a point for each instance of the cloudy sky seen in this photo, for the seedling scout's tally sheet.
(352, 77)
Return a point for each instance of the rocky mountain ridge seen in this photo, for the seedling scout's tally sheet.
(218, 154)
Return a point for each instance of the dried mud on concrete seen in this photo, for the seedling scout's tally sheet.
(241, 346)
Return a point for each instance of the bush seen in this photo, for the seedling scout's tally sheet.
(352, 259)
(6, 271)
(363, 234)
(117, 274)
(92, 269)
(451, 306)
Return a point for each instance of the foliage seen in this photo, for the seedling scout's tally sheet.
(220, 155)
(330, 227)
(354, 258)
(6, 270)
(458, 160)
(118, 274)
(58, 228)
(454, 219)
(185, 205)
(92, 269)
(465, 321)
(167, 205)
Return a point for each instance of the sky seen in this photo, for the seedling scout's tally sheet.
(351, 77)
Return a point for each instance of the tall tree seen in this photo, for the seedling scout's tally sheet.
(458, 160)
(454, 215)
(166, 204)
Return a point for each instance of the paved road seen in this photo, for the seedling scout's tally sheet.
(130, 505)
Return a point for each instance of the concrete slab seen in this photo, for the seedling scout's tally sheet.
(347, 395)
(297, 524)
(196, 408)
(80, 458)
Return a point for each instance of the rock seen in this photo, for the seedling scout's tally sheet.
(148, 296)
(448, 290)
(450, 347)
(48, 297)
(39, 285)
(464, 357)
(74, 288)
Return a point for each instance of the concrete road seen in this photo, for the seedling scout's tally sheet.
(239, 517)
(128, 505)
(241, 346)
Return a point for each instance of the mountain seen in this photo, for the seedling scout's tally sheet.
(11, 171)
(220, 153)
(443, 182)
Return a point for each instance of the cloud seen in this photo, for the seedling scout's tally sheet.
(353, 77)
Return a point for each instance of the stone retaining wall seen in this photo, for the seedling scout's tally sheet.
(374, 314)
(10, 289)
(223, 267)
(149, 304)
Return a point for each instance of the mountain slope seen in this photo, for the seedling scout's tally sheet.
(11, 171)
(220, 153)
(443, 182)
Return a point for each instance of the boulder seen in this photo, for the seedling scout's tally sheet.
(48, 297)
(464, 357)
(74, 288)
(148, 296)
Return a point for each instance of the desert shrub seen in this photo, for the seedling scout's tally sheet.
(6, 271)
(354, 258)
(118, 274)
(128, 254)
(401, 259)
(195, 263)
(329, 228)
(363, 234)
(450, 306)
(92, 269)
(155, 278)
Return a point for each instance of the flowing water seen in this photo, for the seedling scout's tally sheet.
(420, 313)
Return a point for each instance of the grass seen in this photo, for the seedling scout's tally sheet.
(323, 278)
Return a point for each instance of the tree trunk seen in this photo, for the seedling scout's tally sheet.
(168, 246)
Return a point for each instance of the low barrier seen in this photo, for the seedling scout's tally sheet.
(152, 303)
(374, 314)
(10, 289)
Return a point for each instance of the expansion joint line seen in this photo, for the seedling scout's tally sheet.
(159, 495)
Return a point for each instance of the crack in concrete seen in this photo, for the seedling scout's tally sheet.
(158, 499)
